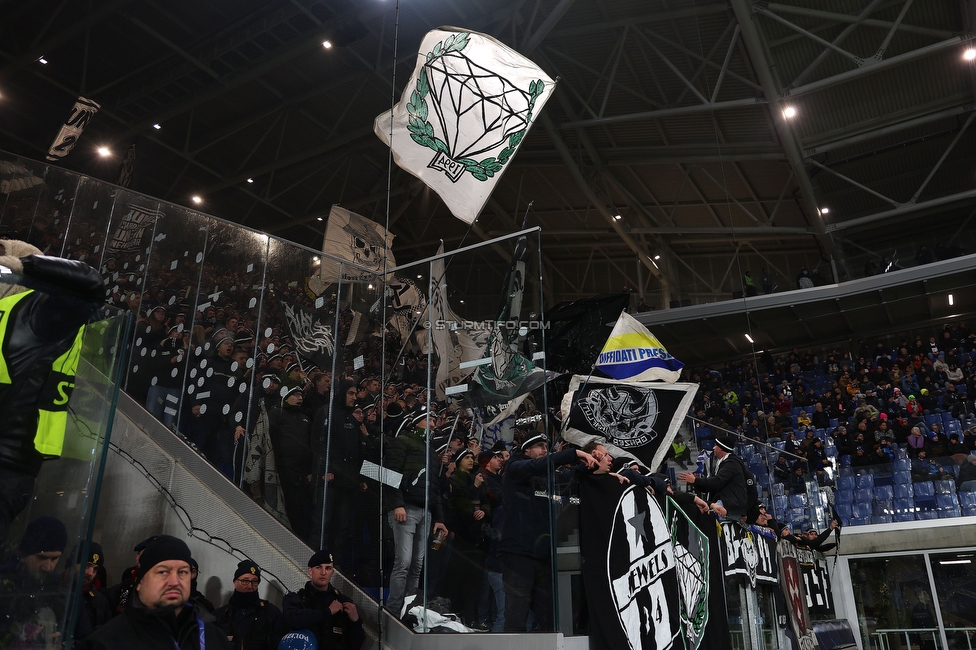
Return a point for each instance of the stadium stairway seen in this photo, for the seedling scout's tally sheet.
(155, 483)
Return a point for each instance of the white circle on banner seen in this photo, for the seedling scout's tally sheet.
(200, 382)
(153, 381)
(193, 373)
(226, 409)
(233, 366)
(209, 372)
(203, 363)
(135, 369)
(190, 389)
(142, 352)
(139, 341)
(242, 387)
(238, 416)
(523, 331)
(249, 363)
(203, 409)
(138, 257)
(265, 383)
(268, 332)
(206, 346)
(283, 391)
(271, 348)
(153, 353)
(148, 330)
(230, 382)
(176, 371)
(197, 351)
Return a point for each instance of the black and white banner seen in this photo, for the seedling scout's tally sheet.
(750, 555)
(81, 114)
(630, 418)
(653, 582)
(816, 579)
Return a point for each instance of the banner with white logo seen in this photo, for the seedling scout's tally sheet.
(81, 114)
(464, 111)
(630, 418)
(749, 555)
(794, 591)
(632, 352)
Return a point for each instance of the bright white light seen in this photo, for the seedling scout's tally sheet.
(250, 180)
(370, 286)
(749, 338)
(617, 217)
(969, 54)
(825, 210)
(462, 302)
(157, 126)
(420, 277)
(42, 61)
(657, 257)
(318, 218)
(789, 112)
(196, 199)
(950, 300)
(327, 44)
(104, 152)
(955, 561)
(315, 259)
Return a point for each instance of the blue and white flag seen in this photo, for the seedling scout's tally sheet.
(464, 111)
(633, 353)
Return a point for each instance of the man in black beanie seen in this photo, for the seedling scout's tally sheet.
(32, 599)
(724, 483)
(119, 595)
(247, 620)
(95, 604)
(319, 607)
(159, 616)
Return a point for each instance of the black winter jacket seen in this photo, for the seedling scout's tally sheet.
(407, 454)
(253, 623)
(308, 609)
(155, 629)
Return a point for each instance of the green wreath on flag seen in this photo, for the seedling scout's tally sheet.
(422, 132)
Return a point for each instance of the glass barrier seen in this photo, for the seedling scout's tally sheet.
(63, 400)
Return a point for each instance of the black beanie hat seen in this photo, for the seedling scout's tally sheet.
(247, 567)
(163, 549)
(726, 443)
(95, 554)
(322, 557)
(43, 535)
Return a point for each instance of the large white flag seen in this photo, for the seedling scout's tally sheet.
(465, 110)
(355, 238)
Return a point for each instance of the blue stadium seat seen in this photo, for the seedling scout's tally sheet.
(881, 519)
(706, 444)
(902, 505)
(884, 492)
(883, 477)
(780, 445)
(844, 510)
(844, 496)
(901, 465)
(864, 480)
(845, 460)
(933, 418)
(969, 511)
(904, 516)
(745, 452)
(947, 419)
(883, 507)
(703, 432)
(845, 482)
(945, 487)
(902, 478)
(863, 495)
(834, 423)
(905, 491)
(797, 514)
(861, 510)
(780, 505)
(777, 489)
(927, 514)
(946, 500)
(798, 501)
(949, 513)
(967, 499)
(924, 489)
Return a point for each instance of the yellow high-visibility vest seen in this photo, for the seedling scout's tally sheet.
(52, 404)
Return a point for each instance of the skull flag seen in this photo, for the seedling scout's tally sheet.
(466, 108)
(352, 237)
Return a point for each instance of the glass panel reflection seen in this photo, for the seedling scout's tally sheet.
(894, 602)
(954, 575)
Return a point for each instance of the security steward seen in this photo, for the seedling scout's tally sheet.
(95, 604)
(320, 608)
(41, 335)
(159, 618)
(249, 622)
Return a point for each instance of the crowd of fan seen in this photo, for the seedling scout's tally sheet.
(905, 409)
(156, 602)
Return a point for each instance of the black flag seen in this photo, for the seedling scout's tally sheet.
(577, 330)
(630, 418)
